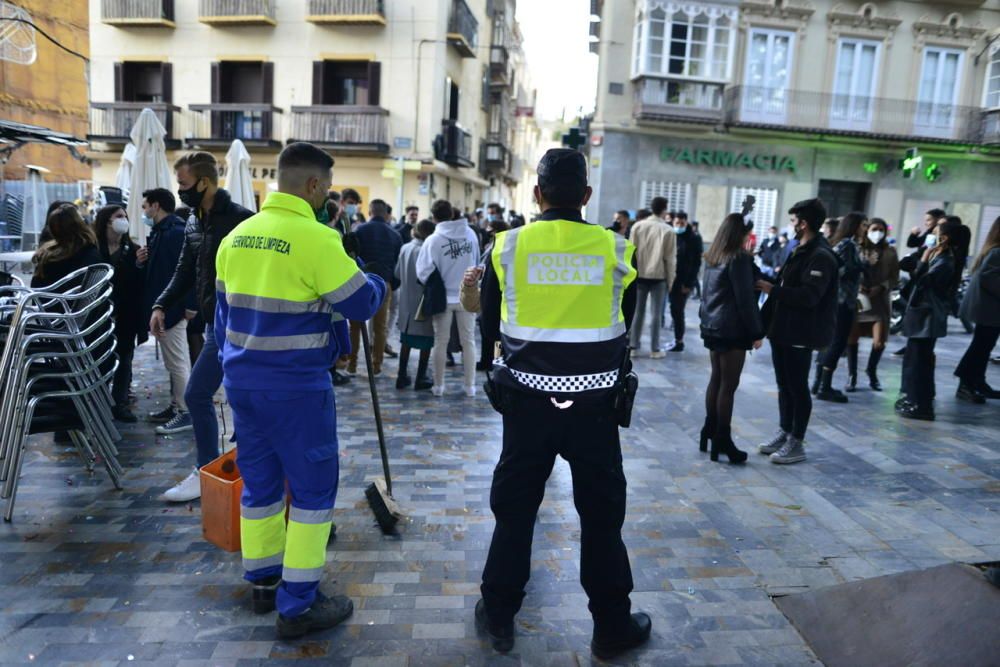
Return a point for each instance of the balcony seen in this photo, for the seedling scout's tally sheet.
(454, 145)
(495, 159)
(991, 127)
(678, 100)
(237, 12)
(501, 72)
(112, 122)
(219, 124)
(140, 13)
(342, 128)
(463, 29)
(852, 115)
(349, 12)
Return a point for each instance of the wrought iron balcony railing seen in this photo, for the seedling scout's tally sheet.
(236, 12)
(678, 99)
(356, 12)
(112, 122)
(454, 145)
(463, 29)
(360, 128)
(221, 123)
(138, 12)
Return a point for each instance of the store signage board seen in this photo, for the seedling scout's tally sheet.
(728, 159)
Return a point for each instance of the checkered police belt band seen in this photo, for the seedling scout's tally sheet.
(563, 384)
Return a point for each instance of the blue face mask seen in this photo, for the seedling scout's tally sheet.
(148, 221)
(351, 210)
(680, 230)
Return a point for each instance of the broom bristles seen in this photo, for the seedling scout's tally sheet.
(383, 506)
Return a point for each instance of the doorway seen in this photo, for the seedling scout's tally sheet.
(842, 197)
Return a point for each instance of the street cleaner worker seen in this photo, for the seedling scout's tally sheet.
(285, 290)
(558, 293)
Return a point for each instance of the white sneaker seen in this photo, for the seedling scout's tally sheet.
(470, 391)
(189, 489)
(438, 390)
(657, 355)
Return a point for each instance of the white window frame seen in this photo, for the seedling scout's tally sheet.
(994, 60)
(777, 110)
(765, 212)
(641, 38)
(678, 194)
(855, 98)
(944, 130)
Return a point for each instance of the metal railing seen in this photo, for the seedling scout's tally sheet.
(455, 145)
(500, 66)
(225, 122)
(215, 9)
(351, 126)
(114, 120)
(146, 11)
(463, 22)
(347, 8)
(497, 157)
(679, 98)
(849, 114)
(990, 127)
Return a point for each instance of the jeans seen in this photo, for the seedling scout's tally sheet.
(377, 331)
(972, 369)
(791, 372)
(174, 347)
(846, 314)
(586, 435)
(658, 291)
(466, 333)
(918, 372)
(678, 300)
(205, 380)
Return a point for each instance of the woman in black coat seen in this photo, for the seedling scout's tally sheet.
(730, 325)
(982, 306)
(119, 250)
(71, 246)
(935, 283)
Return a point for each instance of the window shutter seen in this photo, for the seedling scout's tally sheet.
(318, 71)
(267, 78)
(119, 83)
(216, 82)
(374, 83)
(167, 82)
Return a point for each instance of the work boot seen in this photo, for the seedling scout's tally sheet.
(852, 369)
(264, 593)
(501, 634)
(325, 613)
(774, 444)
(817, 378)
(606, 647)
(826, 391)
(872, 369)
(793, 451)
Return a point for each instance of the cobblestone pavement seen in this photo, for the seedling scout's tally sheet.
(91, 575)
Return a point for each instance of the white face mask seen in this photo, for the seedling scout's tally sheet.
(876, 236)
(119, 225)
(930, 241)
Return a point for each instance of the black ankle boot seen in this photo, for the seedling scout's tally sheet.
(817, 380)
(872, 369)
(852, 369)
(706, 435)
(402, 381)
(827, 392)
(722, 443)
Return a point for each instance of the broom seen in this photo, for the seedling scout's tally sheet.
(379, 493)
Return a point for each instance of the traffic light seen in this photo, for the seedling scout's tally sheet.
(910, 163)
(932, 172)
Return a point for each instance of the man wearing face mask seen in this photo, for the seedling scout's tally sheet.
(801, 310)
(689, 251)
(285, 290)
(160, 256)
(770, 253)
(351, 204)
(214, 215)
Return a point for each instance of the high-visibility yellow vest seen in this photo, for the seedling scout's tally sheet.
(562, 281)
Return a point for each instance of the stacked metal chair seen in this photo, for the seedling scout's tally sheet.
(58, 361)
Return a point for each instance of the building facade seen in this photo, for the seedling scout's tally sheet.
(886, 107)
(412, 97)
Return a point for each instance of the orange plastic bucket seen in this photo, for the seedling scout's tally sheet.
(221, 487)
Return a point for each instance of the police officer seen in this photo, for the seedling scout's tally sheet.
(285, 288)
(554, 293)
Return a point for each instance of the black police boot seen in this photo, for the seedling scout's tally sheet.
(872, 369)
(501, 634)
(826, 391)
(817, 380)
(325, 613)
(852, 369)
(264, 593)
(606, 646)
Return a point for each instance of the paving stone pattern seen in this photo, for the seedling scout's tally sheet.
(89, 575)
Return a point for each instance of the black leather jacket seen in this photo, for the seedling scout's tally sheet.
(802, 308)
(728, 301)
(196, 266)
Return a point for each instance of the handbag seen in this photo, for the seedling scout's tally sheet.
(434, 300)
(864, 303)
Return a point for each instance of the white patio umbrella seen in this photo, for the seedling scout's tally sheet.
(238, 180)
(123, 178)
(149, 169)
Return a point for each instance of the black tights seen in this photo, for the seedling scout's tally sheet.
(404, 361)
(726, 370)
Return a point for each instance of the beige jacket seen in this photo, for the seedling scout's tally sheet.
(655, 249)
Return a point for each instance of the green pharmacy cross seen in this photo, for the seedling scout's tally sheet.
(574, 139)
